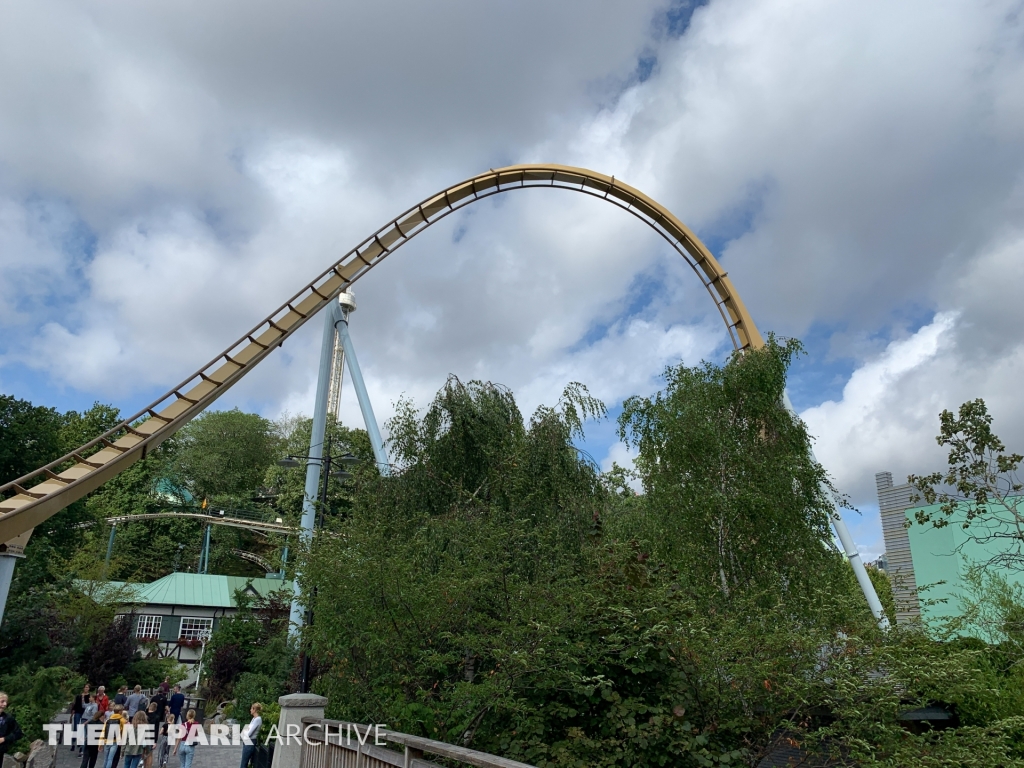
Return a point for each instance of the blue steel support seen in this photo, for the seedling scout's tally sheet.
(204, 556)
(316, 446)
(6, 577)
(849, 546)
(110, 550)
(364, 399)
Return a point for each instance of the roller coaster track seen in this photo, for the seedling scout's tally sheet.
(252, 557)
(233, 518)
(31, 499)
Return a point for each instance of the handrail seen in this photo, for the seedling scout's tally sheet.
(358, 738)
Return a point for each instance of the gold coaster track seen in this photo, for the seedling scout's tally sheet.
(29, 500)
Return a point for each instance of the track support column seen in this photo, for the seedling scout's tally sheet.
(850, 548)
(7, 563)
(110, 551)
(316, 452)
(379, 454)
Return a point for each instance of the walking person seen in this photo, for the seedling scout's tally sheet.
(176, 703)
(90, 710)
(163, 744)
(111, 736)
(92, 750)
(251, 734)
(187, 745)
(165, 686)
(160, 699)
(152, 719)
(77, 709)
(121, 697)
(102, 700)
(133, 752)
(136, 701)
(10, 731)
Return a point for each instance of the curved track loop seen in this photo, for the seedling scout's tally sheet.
(29, 500)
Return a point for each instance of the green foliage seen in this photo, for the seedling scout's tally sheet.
(252, 687)
(459, 555)
(223, 455)
(288, 483)
(271, 716)
(112, 653)
(733, 497)
(36, 695)
(29, 437)
(149, 673)
(980, 486)
(250, 649)
(883, 588)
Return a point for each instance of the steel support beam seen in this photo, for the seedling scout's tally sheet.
(110, 551)
(379, 454)
(316, 447)
(850, 547)
(6, 577)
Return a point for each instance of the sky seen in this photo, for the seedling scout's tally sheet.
(170, 172)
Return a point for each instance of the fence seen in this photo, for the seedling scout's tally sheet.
(348, 745)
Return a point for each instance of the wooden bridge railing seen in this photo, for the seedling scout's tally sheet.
(349, 745)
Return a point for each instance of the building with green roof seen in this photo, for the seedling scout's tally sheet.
(180, 611)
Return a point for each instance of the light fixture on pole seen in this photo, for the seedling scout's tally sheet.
(327, 461)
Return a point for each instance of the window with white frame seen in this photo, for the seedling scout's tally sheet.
(195, 629)
(148, 627)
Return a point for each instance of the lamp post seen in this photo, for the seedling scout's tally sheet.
(328, 461)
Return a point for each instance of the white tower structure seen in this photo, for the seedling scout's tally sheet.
(347, 303)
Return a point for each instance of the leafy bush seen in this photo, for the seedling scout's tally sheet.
(253, 641)
(271, 716)
(149, 673)
(36, 696)
(112, 654)
(252, 687)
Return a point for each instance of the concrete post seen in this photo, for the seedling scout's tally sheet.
(294, 707)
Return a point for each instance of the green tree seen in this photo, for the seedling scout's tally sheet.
(732, 495)
(442, 571)
(29, 437)
(250, 649)
(981, 487)
(38, 628)
(287, 484)
(224, 455)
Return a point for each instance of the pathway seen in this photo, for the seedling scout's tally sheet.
(206, 757)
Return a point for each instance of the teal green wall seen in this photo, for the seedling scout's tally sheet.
(936, 559)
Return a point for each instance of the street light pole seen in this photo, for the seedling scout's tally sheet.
(307, 665)
(327, 460)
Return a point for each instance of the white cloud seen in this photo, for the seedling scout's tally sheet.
(888, 412)
(857, 164)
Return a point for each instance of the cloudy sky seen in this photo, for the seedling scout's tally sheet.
(172, 171)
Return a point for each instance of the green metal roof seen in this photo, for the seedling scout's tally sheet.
(200, 590)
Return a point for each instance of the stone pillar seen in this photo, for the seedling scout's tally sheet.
(294, 707)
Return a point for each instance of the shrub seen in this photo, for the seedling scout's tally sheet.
(149, 673)
(36, 696)
(253, 687)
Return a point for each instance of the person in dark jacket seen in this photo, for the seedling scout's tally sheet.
(10, 731)
(77, 710)
(176, 703)
(92, 751)
(160, 699)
